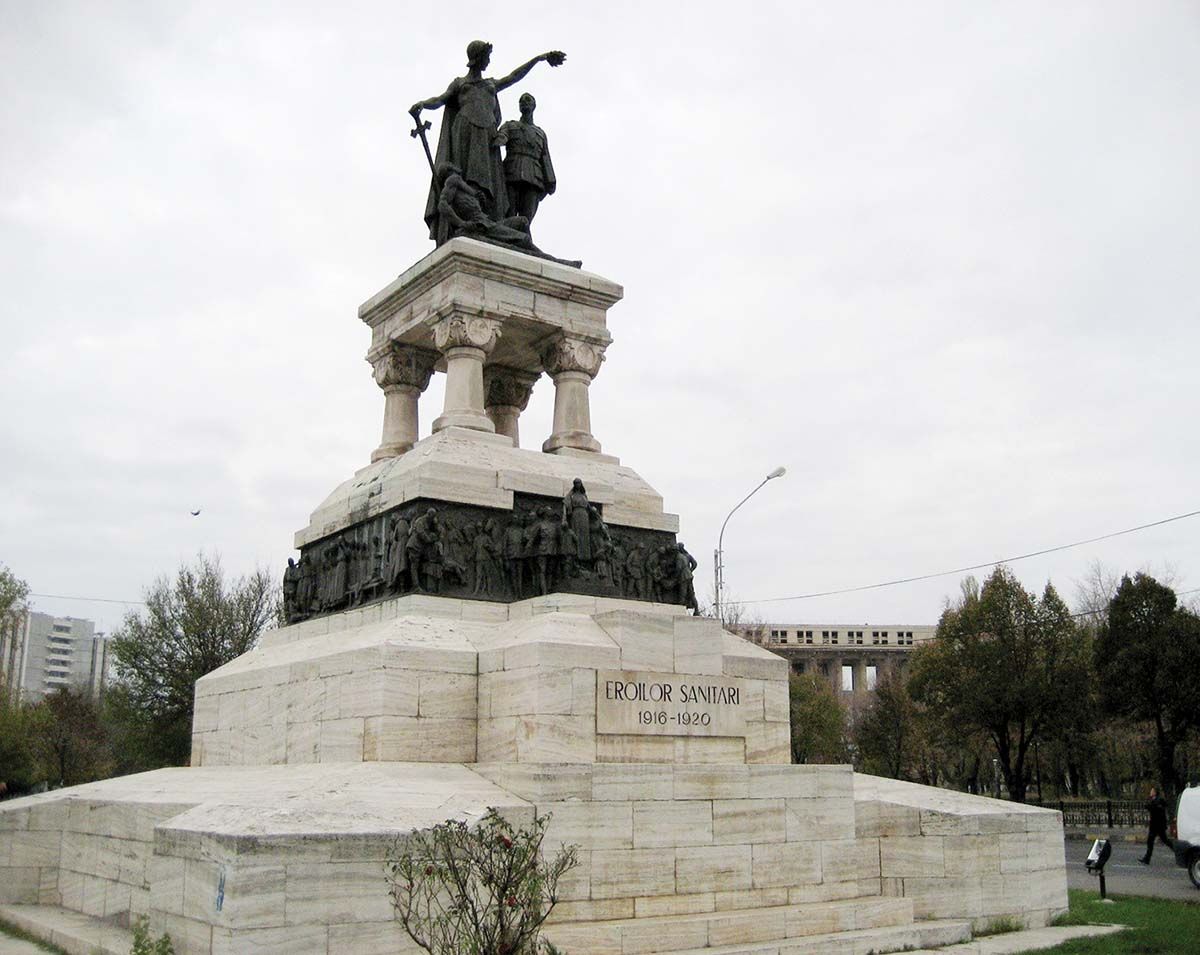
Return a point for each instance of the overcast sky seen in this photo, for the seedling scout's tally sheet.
(941, 261)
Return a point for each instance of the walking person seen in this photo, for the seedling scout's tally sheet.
(1157, 807)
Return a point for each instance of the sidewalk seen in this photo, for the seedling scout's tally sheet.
(1115, 834)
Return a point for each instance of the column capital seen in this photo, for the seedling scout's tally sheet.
(567, 353)
(397, 365)
(466, 331)
(509, 387)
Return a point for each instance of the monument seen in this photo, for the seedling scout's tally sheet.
(476, 624)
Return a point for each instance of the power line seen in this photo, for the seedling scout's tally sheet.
(97, 600)
(824, 593)
(963, 570)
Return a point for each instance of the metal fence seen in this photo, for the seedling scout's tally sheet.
(1106, 813)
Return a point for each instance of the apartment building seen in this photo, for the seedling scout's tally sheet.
(40, 653)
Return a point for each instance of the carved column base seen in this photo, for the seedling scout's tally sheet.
(579, 440)
(572, 414)
(505, 418)
(464, 391)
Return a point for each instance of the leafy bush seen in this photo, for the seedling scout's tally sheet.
(144, 944)
(999, 926)
(482, 890)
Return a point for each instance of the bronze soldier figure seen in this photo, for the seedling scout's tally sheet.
(528, 172)
(291, 584)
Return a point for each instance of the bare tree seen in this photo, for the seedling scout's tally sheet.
(735, 616)
(1095, 590)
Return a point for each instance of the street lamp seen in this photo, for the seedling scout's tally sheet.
(718, 568)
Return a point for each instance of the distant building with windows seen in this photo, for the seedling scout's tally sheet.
(39, 653)
(853, 657)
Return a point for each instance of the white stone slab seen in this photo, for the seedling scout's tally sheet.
(643, 703)
(472, 467)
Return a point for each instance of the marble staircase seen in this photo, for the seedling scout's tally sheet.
(869, 923)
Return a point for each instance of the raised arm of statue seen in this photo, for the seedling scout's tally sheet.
(554, 58)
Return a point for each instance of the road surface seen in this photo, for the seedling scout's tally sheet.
(1162, 879)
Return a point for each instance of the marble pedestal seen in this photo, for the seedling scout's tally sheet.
(317, 750)
(658, 742)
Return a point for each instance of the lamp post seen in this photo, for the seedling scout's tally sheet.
(718, 568)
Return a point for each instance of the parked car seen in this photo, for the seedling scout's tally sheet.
(1187, 831)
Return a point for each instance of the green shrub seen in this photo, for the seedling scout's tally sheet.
(144, 944)
(1000, 925)
(483, 890)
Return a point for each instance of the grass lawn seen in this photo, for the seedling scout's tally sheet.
(1156, 926)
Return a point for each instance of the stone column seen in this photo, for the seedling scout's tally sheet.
(465, 342)
(403, 372)
(572, 363)
(506, 393)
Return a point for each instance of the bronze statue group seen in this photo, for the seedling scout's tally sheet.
(475, 191)
(536, 551)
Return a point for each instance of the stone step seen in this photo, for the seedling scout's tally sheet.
(80, 934)
(1027, 940)
(73, 932)
(876, 941)
(708, 930)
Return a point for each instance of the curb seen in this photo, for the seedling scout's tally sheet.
(1112, 835)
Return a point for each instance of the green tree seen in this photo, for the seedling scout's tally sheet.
(950, 757)
(1005, 664)
(18, 770)
(68, 738)
(141, 742)
(818, 721)
(13, 592)
(895, 736)
(1147, 657)
(18, 764)
(887, 733)
(189, 627)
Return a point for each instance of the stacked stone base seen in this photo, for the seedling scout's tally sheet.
(673, 858)
(421, 678)
(318, 751)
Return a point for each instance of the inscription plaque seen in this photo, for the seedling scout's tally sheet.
(669, 704)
